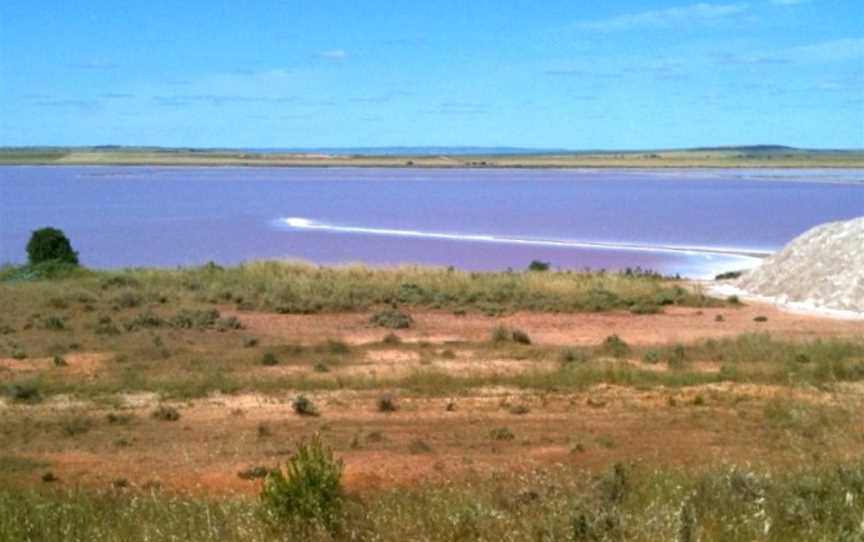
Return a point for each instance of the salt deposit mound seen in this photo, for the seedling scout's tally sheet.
(823, 269)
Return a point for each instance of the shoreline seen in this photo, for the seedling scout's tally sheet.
(794, 307)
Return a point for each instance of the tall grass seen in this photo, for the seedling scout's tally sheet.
(624, 503)
(304, 288)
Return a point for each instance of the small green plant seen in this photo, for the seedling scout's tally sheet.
(60, 361)
(572, 357)
(392, 319)
(250, 342)
(25, 393)
(391, 338)
(54, 323)
(699, 400)
(733, 300)
(264, 430)
(331, 346)
(501, 433)
(75, 425)
(308, 493)
(269, 359)
(651, 357)
(538, 266)
(387, 403)
(419, 446)
(500, 334)
(119, 419)
(253, 473)
(49, 477)
(520, 337)
(321, 367)
(615, 346)
(719, 318)
(519, 409)
(166, 413)
(761, 319)
(18, 353)
(303, 406)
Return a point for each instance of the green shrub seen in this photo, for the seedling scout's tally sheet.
(25, 393)
(128, 299)
(59, 361)
(572, 356)
(519, 409)
(500, 334)
(387, 403)
(419, 446)
(75, 425)
(651, 357)
(308, 493)
(537, 265)
(761, 319)
(253, 473)
(393, 319)
(166, 413)
(250, 342)
(54, 323)
(331, 346)
(520, 337)
(615, 346)
(391, 338)
(321, 367)
(50, 245)
(304, 406)
(501, 433)
(269, 359)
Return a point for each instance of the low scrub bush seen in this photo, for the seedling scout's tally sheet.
(387, 403)
(166, 413)
(501, 433)
(392, 319)
(303, 406)
(308, 493)
(615, 346)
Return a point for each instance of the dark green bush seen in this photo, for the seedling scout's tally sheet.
(520, 337)
(615, 346)
(50, 245)
(387, 403)
(308, 493)
(166, 413)
(304, 406)
(393, 319)
(269, 359)
(537, 265)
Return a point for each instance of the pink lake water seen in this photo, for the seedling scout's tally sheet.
(691, 222)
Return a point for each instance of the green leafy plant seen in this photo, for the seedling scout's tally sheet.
(50, 245)
(308, 493)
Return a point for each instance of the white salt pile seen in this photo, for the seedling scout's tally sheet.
(822, 270)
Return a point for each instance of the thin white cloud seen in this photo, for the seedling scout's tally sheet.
(827, 51)
(786, 3)
(694, 14)
(334, 54)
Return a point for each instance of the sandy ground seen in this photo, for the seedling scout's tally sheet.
(220, 436)
(676, 324)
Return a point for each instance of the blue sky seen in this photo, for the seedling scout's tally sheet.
(557, 73)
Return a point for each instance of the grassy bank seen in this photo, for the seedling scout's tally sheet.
(296, 288)
(624, 503)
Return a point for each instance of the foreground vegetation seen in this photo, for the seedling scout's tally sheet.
(625, 502)
(296, 288)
